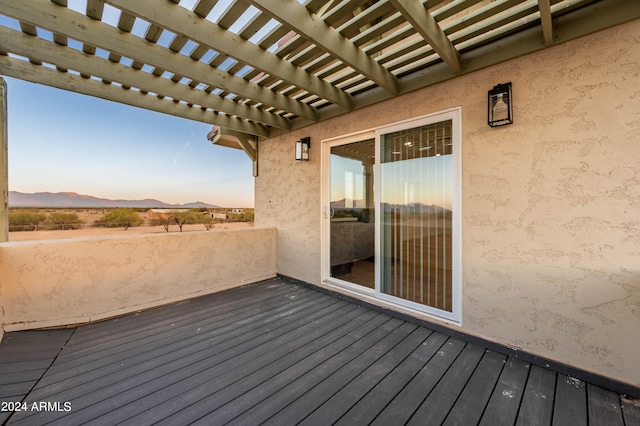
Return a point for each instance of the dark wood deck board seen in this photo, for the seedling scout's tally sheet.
(278, 353)
(604, 407)
(570, 407)
(336, 406)
(504, 404)
(121, 396)
(407, 401)
(325, 365)
(536, 407)
(228, 402)
(630, 411)
(438, 404)
(368, 408)
(316, 396)
(215, 387)
(474, 397)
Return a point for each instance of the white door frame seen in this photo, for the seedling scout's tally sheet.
(453, 114)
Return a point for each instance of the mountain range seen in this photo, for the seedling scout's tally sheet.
(74, 200)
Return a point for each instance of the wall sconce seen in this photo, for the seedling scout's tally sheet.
(500, 105)
(302, 149)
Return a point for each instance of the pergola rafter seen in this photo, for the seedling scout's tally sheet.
(281, 65)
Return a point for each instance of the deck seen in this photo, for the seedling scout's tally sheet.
(282, 354)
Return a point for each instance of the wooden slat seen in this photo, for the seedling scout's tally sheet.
(434, 409)
(307, 403)
(570, 405)
(402, 407)
(507, 395)
(336, 406)
(188, 382)
(604, 407)
(256, 383)
(536, 407)
(323, 366)
(374, 402)
(472, 401)
(631, 411)
(86, 372)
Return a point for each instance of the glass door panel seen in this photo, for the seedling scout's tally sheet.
(416, 194)
(352, 221)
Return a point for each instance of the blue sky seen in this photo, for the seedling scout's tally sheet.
(61, 141)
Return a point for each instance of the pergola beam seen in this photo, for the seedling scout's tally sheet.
(425, 24)
(49, 52)
(4, 164)
(298, 18)
(547, 22)
(24, 70)
(180, 20)
(96, 33)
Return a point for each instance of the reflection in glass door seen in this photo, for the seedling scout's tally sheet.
(352, 213)
(416, 193)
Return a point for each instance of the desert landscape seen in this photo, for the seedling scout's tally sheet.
(90, 215)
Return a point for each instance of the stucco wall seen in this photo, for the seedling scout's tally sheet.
(551, 204)
(51, 283)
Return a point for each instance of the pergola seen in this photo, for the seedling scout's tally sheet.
(260, 68)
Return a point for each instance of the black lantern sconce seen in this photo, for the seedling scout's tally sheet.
(302, 149)
(500, 105)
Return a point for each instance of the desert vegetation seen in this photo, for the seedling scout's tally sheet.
(98, 221)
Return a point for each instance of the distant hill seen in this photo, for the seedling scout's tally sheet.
(74, 200)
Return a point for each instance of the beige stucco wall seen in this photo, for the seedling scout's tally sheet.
(551, 204)
(62, 282)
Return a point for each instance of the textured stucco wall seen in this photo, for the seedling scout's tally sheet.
(65, 282)
(551, 204)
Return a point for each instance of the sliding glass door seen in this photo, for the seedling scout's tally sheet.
(416, 227)
(392, 214)
(352, 213)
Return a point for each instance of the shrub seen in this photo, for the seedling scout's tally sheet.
(25, 220)
(120, 217)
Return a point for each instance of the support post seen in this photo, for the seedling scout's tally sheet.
(4, 163)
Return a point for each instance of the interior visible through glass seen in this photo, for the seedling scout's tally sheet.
(352, 229)
(416, 214)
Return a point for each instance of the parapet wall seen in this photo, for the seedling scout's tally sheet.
(64, 282)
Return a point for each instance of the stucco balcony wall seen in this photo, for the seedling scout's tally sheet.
(63, 282)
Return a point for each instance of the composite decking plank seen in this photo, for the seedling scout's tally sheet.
(473, 399)
(401, 408)
(213, 393)
(224, 300)
(536, 407)
(435, 408)
(381, 395)
(630, 411)
(233, 394)
(32, 345)
(365, 336)
(307, 403)
(192, 341)
(570, 406)
(199, 330)
(96, 344)
(504, 404)
(151, 318)
(336, 406)
(604, 407)
(25, 357)
(121, 390)
(91, 340)
(169, 389)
